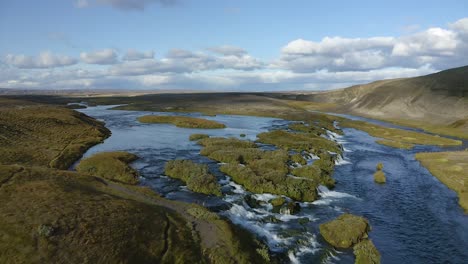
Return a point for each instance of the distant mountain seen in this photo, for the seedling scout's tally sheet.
(439, 98)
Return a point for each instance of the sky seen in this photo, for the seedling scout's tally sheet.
(226, 45)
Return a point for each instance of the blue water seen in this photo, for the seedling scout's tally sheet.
(414, 217)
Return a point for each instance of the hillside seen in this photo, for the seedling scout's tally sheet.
(439, 99)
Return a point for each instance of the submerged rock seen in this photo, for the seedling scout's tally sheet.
(279, 201)
(290, 209)
(345, 231)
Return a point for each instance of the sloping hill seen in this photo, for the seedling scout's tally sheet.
(440, 98)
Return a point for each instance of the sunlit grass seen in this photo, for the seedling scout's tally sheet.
(451, 169)
(182, 121)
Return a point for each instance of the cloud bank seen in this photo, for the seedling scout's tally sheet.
(331, 62)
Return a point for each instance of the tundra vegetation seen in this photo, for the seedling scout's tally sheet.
(262, 171)
(36, 134)
(451, 169)
(110, 165)
(299, 142)
(196, 176)
(195, 137)
(351, 231)
(182, 121)
(49, 215)
(398, 137)
(379, 175)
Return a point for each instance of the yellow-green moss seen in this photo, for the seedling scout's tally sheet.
(345, 231)
(196, 176)
(195, 137)
(400, 137)
(182, 121)
(366, 253)
(258, 170)
(110, 165)
(451, 169)
(297, 158)
(379, 175)
(395, 144)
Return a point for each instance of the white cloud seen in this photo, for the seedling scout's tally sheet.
(132, 55)
(103, 57)
(438, 47)
(184, 61)
(228, 50)
(332, 62)
(44, 60)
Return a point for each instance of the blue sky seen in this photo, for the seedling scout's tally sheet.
(225, 45)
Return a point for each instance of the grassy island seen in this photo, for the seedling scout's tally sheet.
(196, 176)
(258, 170)
(110, 165)
(299, 141)
(182, 121)
(451, 169)
(351, 231)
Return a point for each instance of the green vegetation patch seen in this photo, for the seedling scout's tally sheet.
(299, 142)
(182, 121)
(366, 253)
(379, 175)
(258, 170)
(195, 137)
(52, 216)
(345, 231)
(297, 158)
(395, 144)
(451, 169)
(400, 137)
(110, 165)
(196, 176)
(32, 134)
(317, 172)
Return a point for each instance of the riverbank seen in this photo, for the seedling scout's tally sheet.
(54, 215)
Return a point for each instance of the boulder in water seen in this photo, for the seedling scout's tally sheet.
(345, 231)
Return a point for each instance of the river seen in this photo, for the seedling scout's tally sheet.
(414, 217)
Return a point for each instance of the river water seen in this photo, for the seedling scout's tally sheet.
(414, 217)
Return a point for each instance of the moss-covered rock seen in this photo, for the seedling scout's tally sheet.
(379, 175)
(279, 201)
(195, 137)
(110, 165)
(290, 208)
(366, 253)
(345, 231)
(196, 176)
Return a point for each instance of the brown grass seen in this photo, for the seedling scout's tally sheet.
(110, 165)
(451, 169)
(400, 137)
